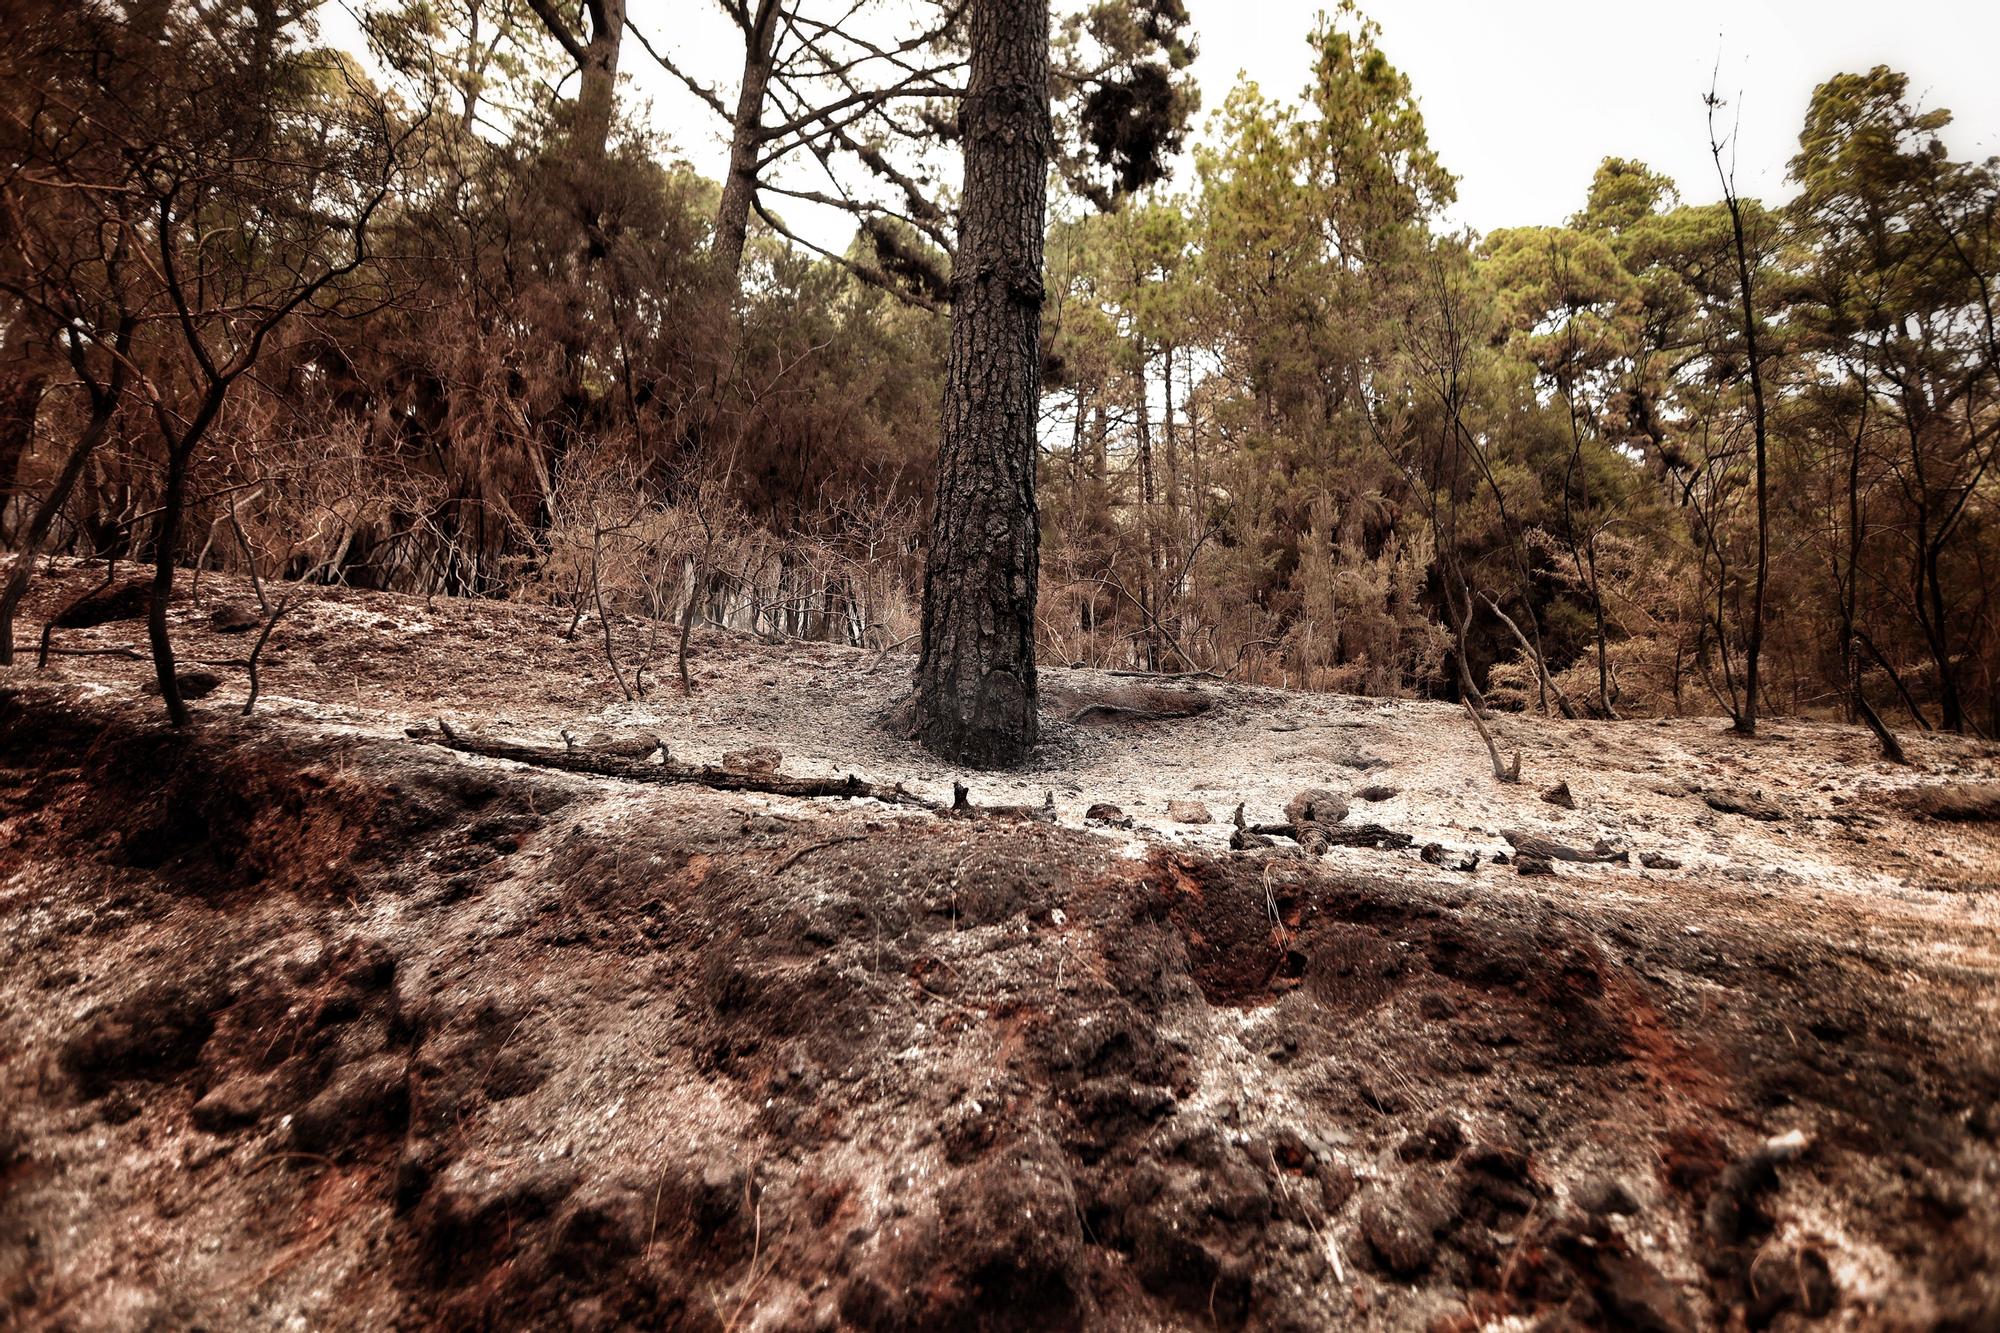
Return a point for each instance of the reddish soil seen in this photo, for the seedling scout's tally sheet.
(309, 1023)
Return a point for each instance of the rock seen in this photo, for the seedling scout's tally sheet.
(121, 601)
(969, 1128)
(1498, 1149)
(1957, 801)
(1751, 805)
(1315, 805)
(157, 1030)
(415, 1166)
(234, 618)
(1559, 795)
(760, 761)
(1105, 813)
(1734, 1213)
(358, 1100)
(641, 745)
(1606, 1195)
(719, 1196)
(1188, 812)
(1376, 791)
(766, 823)
(471, 1202)
(1292, 1149)
(1524, 864)
(1402, 1242)
(1655, 861)
(1433, 852)
(194, 684)
(198, 684)
(1437, 1005)
(1440, 1139)
(1636, 1294)
(232, 1104)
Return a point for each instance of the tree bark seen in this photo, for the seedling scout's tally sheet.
(20, 398)
(739, 186)
(975, 699)
(1151, 602)
(597, 97)
(596, 56)
(1746, 718)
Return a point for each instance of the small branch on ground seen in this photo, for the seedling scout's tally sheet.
(1121, 711)
(807, 850)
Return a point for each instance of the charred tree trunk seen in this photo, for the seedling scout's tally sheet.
(1150, 600)
(1848, 580)
(167, 536)
(20, 399)
(975, 684)
(104, 398)
(1753, 650)
(1951, 706)
(37, 530)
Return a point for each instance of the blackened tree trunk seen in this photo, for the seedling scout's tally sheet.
(22, 381)
(1746, 721)
(1152, 605)
(975, 686)
(1746, 713)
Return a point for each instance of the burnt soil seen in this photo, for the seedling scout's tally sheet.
(306, 1022)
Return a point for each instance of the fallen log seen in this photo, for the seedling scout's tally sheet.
(1536, 847)
(1336, 835)
(667, 774)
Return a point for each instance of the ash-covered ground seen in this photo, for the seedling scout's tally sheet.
(307, 1021)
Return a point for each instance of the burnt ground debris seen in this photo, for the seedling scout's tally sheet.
(307, 1018)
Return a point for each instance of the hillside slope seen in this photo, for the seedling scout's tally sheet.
(315, 1019)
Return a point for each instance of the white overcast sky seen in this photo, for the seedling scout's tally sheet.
(1522, 99)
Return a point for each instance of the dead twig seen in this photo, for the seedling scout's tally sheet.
(803, 852)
